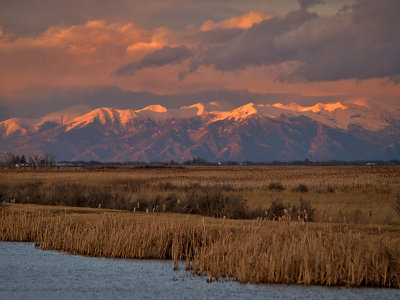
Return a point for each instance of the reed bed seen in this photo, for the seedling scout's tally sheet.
(263, 252)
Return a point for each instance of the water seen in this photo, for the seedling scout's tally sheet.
(29, 273)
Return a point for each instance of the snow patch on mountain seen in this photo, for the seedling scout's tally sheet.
(336, 115)
(316, 108)
(238, 114)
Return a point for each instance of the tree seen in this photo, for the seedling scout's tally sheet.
(52, 159)
(48, 159)
(4, 160)
(31, 162)
(7, 159)
(36, 160)
(23, 160)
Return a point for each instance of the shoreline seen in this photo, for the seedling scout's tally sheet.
(204, 277)
(283, 252)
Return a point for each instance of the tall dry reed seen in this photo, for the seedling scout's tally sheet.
(291, 253)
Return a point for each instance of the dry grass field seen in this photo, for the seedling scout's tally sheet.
(362, 195)
(349, 234)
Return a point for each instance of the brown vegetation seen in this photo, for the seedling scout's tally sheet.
(352, 236)
(360, 195)
(262, 252)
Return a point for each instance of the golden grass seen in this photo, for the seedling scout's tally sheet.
(339, 194)
(354, 241)
(255, 251)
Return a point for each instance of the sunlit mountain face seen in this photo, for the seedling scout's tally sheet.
(256, 132)
(221, 80)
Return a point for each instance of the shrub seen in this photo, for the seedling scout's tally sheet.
(303, 212)
(276, 186)
(330, 189)
(214, 203)
(73, 194)
(301, 188)
(276, 210)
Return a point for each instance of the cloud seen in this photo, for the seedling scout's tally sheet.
(165, 56)
(78, 55)
(358, 43)
(144, 46)
(304, 4)
(244, 21)
(352, 53)
(255, 46)
(34, 16)
(100, 97)
(89, 37)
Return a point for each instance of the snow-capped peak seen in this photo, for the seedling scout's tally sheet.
(154, 108)
(335, 114)
(13, 126)
(102, 115)
(237, 114)
(338, 115)
(198, 108)
(315, 108)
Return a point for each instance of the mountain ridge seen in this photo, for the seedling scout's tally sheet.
(260, 132)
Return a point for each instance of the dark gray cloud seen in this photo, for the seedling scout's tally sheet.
(361, 42)
(165, 56)
(304, 4)
(110, 96)
(255, 46)
(33, 16)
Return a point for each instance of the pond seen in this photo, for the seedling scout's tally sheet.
(30, 273)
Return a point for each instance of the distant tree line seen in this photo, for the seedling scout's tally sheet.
(197, 161)
(33, 161)
(46, 160)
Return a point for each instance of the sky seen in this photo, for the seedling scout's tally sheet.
(129, 54)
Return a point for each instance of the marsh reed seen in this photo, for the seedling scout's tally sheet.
(264, 252)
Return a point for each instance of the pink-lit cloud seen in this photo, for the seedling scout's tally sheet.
(351, 54)
(243, 22)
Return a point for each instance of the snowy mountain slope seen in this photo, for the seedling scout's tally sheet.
(259, 132)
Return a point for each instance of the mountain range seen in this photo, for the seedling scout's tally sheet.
(212, 131)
